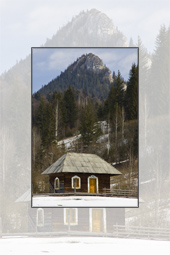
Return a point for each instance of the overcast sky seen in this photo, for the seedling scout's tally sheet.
(48, 63)
(28, 23)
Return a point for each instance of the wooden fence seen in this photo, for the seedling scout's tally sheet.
(136, 232)
(143, 233)
(106, 192)
(120, 193)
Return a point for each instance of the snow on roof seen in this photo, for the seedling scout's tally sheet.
(81, 163)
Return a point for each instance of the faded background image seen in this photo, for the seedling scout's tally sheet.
(143, 24)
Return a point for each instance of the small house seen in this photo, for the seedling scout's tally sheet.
(62, 220)
(80, 172)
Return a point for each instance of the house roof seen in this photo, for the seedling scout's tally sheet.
(81, 163)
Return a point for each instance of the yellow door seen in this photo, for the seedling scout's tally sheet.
(92, 185)
(97, 220)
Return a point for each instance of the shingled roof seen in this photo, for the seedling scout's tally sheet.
(81, 163)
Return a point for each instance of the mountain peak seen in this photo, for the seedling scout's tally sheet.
(90, 28)
(88, 73)
(94, 64)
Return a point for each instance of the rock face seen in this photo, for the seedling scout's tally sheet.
(94, 64)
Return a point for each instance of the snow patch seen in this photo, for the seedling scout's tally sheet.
(82, 201)
(89, 245)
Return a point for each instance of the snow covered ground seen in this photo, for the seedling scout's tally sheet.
(82, 201)
(69, 142)
(82, 245)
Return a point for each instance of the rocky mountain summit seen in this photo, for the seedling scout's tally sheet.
(89, 28)
(87, 73)
(94, 64)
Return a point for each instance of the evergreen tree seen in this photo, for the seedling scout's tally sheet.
(100, 112)
(87, 124)
(116, 96)
(46, 122)
(50, 125)
(159, 73)
(131, 44)
(131, 102)
(110, 103)
(118, 83)
(114, 76)
(40, 120)
(69, 108)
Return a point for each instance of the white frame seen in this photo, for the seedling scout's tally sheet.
(40, 210)
(97, 183)
(72, 182)
(56, 179)
(91, 220)
(76, 216)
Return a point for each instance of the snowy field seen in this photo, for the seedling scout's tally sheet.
(82, 245)
(82, 201)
